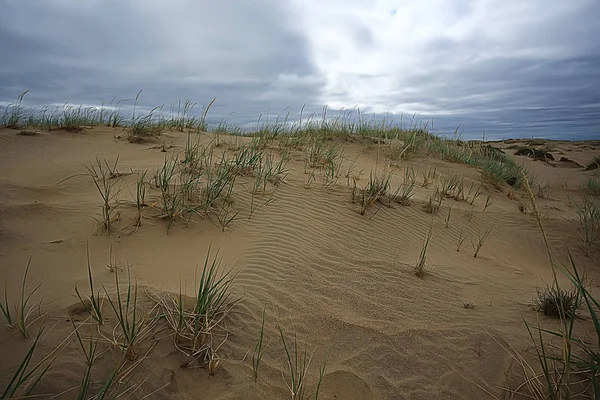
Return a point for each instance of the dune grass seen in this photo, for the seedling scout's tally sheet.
(197, 324)
(481, 239)
(595, 164)
(89, 351)
(553, 301)
(103, 175)
(21, 312)
(259, 348)
(28, 375)
(568, 370)
(588, 212)
(421, 268)
(434, 202)
(134, 325)
(93, 302)
(376, 188)
(592, 185)
(298, 362)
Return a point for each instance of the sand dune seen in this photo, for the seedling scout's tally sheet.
(343, 282)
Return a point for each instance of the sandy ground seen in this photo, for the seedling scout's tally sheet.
(342, 281)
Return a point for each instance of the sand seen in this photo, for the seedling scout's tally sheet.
(343, 282)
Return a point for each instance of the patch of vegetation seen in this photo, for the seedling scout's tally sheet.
(536, 154)
(552, 301)
(595, 164)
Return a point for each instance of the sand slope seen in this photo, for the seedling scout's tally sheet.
(342, 281)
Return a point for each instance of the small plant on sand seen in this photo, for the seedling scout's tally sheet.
(449, 186)
(433, 204)
(23, 310)
(25, 379)
(481, 239)
(543, 190)
(140, 198)
(461, 239)
(553, 302)
(469, 214)
(198, 323)
(259, 348)
(469, 306)
(595, 164)
(93, 303)
(89, 354)
(429, 176)
(488, 202)
(134, 324)
(102, 174)
(589, 218)
(225, 217)
(447, 220)
(473, 194)
(298, 363)
(592, 185)
(420, 268)
(376, 188)
(202, 123)
(14, 113)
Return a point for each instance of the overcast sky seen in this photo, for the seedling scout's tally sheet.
(513, 67)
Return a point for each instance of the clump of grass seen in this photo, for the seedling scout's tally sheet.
(451, 186)
(25, 379)
(22, 311)
(589, 218)
(420, 269)
(553, 302)
(405, 191)
(226, 217)
(429, 176)
(434, 203)
(473, 194)
(197, 324)
(488, 202)
(259, 348)
(319, 155)
(134, 324)
(481, 239)
(469, 306)
(103, 175)
(595, 164)
(469, 214)
(269, 174)
(93, 303)
(376, 188)
(504, 170)
(13, 117)
(140, 198)
(447, 220)
(543, 190)
(413, 141)
(89, 354)
(461, 240)
(592, 185)
(73, 118)
(247, 159)
(298, 362)
(144, 128)
(202, 124)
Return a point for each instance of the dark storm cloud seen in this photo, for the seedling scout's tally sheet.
(512, 68)
(84, 52)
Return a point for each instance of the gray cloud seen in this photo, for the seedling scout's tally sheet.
(513, 68)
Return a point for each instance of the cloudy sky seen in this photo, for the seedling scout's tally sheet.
(513, 67)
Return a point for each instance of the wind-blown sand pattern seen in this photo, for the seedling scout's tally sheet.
(343, 282)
